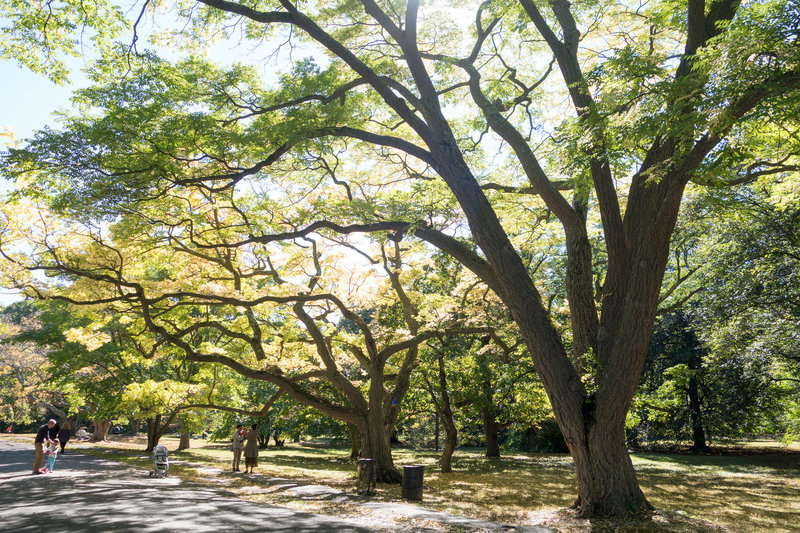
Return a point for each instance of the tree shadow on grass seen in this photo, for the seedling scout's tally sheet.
(745, 493)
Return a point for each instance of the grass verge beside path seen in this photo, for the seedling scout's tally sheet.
(694, 493)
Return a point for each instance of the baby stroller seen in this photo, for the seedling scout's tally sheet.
(160, 461)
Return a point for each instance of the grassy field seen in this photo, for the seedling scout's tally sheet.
(749, 489)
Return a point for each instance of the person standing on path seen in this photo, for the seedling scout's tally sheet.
(52, 433)
(64, 434)
(238, 444)
(251, 450)
(41, 436)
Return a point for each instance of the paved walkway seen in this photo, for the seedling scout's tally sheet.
(89, 493)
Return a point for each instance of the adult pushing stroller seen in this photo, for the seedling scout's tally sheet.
(160, 461)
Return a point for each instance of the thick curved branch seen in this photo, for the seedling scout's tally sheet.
(450, 245)
(323, 350)
(559, 185)
(232, 178)
(338, 94)
(273, 375)
(422, 337)
(260, 413)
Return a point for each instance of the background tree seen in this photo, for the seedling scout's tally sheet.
(24, 367)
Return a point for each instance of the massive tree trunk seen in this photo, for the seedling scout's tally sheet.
(375, 445)
(153, 434)
(607, 483)
(101, 428)
(377, 428)
(73, 423)
(592, 421)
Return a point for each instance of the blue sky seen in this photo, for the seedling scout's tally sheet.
(27, 101)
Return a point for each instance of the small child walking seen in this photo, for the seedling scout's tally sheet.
(50, 457)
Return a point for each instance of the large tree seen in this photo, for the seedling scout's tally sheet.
(659, 94)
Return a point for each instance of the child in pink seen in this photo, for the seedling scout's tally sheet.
(50, 457)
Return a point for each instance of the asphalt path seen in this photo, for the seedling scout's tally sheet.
(86, 493)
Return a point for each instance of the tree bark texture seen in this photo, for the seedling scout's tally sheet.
(375, 445)
(436, 431)
(101, 428)
(444, 412)
(376, 430)
(156, 430)
(490, 431)
(488, 412)
(699, 443)
(185, 442)
(355, 441)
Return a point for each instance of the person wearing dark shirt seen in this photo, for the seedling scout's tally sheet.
(63, 435)
(42, 436)
(52, 433)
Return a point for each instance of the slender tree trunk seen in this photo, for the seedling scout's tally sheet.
(450, 441)
(436, 431)
(698, 432)
(153, 435)
(444, 411)
(185, 442)
(488, 409)
(490, 432)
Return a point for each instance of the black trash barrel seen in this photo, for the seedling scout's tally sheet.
(412, 481)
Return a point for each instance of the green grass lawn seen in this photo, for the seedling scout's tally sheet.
(751, 493)
(755, 491)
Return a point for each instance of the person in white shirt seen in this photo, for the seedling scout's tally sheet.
(238, 440)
